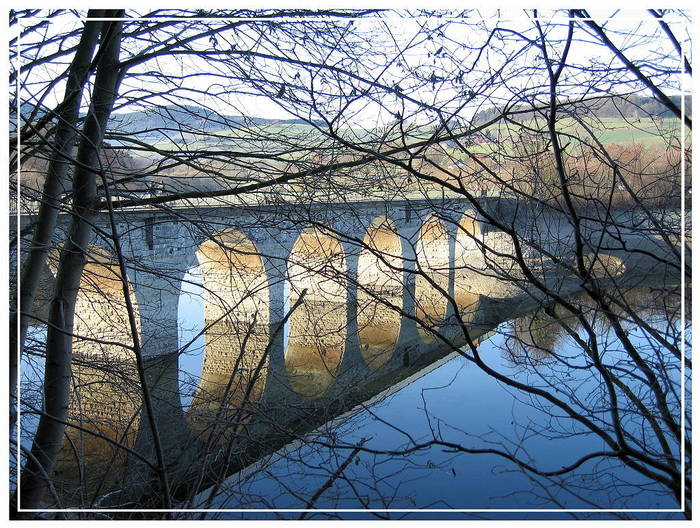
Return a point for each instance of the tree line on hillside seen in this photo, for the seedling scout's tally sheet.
(628, 107)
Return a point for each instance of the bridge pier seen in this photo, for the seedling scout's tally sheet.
(409, 343)
(158, 295)
(352, 366)
(275, 257)
(158, 265)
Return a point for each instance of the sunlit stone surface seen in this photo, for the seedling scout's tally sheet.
(432, 251)
(105, 410)
(105, 401)
(101, 314)
(380, 289)
(236, 317)
(603, 265)
(468, 262)
(318, 327)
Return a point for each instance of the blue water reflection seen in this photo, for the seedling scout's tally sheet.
(457, 402)
(190, 335)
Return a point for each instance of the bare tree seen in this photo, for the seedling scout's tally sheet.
(511, 136)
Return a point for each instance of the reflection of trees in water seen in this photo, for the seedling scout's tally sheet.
(538, 336)
(660, 303)
(604, 375)
(532, 338)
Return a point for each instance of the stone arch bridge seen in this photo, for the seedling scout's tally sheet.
(308, 310)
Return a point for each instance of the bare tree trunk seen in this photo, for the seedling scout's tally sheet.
(54, 185)
(49, 435)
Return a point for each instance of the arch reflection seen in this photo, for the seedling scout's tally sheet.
(380, 281)
(433, 259)
(105, 399)
(317, 328)
(469, 260)
(236, 335)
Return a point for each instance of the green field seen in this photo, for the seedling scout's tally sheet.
(645, 132)
(279, 138)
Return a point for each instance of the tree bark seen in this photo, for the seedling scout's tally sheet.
(54, 186)
(57, 377)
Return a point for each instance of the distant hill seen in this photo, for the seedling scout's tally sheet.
(630, 107)
(186, 118)
(28, 108)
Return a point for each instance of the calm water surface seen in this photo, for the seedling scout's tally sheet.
(459, 403)
(455, 401)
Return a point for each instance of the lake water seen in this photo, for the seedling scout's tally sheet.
(455, 402)
(459, 403)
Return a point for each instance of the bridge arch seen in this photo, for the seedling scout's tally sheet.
(236, 334)
(433, 263)
(317, 328)
(380, 287)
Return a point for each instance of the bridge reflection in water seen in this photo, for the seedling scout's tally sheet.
(318, 339)
(236, 318)
(356, 319)
(316, 336)
(106, 399)
(432, 281)
(380, 291)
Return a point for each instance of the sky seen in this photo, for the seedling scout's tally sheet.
(394, 33)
